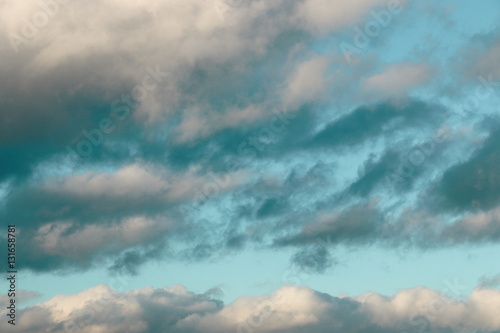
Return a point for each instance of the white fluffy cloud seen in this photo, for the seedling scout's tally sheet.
(288, 309)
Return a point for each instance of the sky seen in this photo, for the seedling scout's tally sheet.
(251, 165)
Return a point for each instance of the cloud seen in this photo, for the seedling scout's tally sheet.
(22, 296)
(288, 309)
(165, 203)
(476, 228)
(473, 184)
(372, 173)
(100, 308)
(315, 259)
(369, 121)
(396, 80)
(487, 64)
(356, 222)
(307, 83)
(221, 109)
(322, 16)
(489, 281)
(77, 218)
(75, 69)
(480, 57)
(130, 262)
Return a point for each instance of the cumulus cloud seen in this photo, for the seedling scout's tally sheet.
(288, 309)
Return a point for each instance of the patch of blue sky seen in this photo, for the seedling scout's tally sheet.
(387, 271)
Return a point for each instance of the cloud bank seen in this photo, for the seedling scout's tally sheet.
(288, 309)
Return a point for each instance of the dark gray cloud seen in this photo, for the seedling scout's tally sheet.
(97, 200)
(313, 260)
(272, 206)
(372, 121)
(359, 223)
(489, 281)
(474, 184)
(130, 262)
(372, 173)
